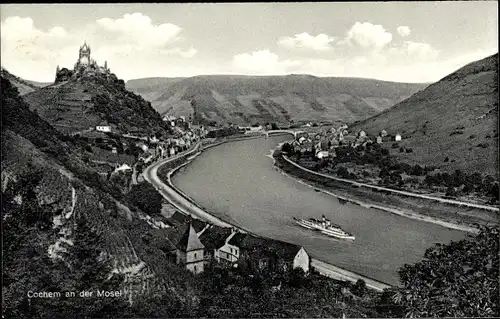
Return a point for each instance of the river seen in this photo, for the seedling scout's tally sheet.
(239, 183)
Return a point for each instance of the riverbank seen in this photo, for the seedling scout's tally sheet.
(439, 213)
(186, 205)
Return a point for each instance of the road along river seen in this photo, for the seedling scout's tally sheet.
(238, 181)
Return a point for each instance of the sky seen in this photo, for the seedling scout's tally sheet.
(392, 41)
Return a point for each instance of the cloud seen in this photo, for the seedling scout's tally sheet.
(191, 52)
(415, 51)
(404, 31)
(20, 32)
(421, 50)
(262, 62)
(28, 50)
(400, 66)
(368, 36)
(321, 42)
(33, 53)
(139, 29)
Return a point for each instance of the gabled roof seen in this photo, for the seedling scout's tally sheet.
(189, 240)
(161, 240)
(260, 247)
(215, 237)
(198, 225)
(180, 217)
(103, 123)
(237, 239)
(175, 233)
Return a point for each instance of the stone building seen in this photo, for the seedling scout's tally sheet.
(181, 245)
(190, 251)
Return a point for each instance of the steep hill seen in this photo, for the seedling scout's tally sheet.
(66, 228)
(151, 88)
(77, 105)
(452, 124)
(252, 99)
(23, 86)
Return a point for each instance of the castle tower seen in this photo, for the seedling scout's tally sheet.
(57, 69)
(84, 55)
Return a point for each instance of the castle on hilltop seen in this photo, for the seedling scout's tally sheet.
(84, 66)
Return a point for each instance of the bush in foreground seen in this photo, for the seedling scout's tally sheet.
(455, 280)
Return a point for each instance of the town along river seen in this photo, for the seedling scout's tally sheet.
(238, 182)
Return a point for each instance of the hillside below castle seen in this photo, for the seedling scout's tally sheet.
(90, 95)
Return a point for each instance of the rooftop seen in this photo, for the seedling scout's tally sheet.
(215, 237)
(189, 240)
(161, 241)
(260, 247)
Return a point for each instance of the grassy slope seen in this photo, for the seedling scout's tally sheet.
(74, 106)
(465, 102)
(23, 86)
(32, 146)
(250, 99)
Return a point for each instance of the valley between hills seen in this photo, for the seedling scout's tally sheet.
(78, 214)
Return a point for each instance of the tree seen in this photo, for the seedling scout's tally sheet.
(359, 288)
(343, 172)
(287, 148)
(417, 170)
(458, 178)
(451, 192)
(455, 280)
(297, 278)
(494, 192)
(146, 197)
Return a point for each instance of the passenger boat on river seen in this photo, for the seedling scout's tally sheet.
(324, 226)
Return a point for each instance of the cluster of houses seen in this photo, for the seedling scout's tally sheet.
(175, 121)
(154, 148)
(194, 244)
(325, 142)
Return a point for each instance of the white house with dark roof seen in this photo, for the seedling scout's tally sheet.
(214, 238)
(229, 253)
(103, 127)
(123, 167)
(322, 154)
(269, 254)
(361, 134)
